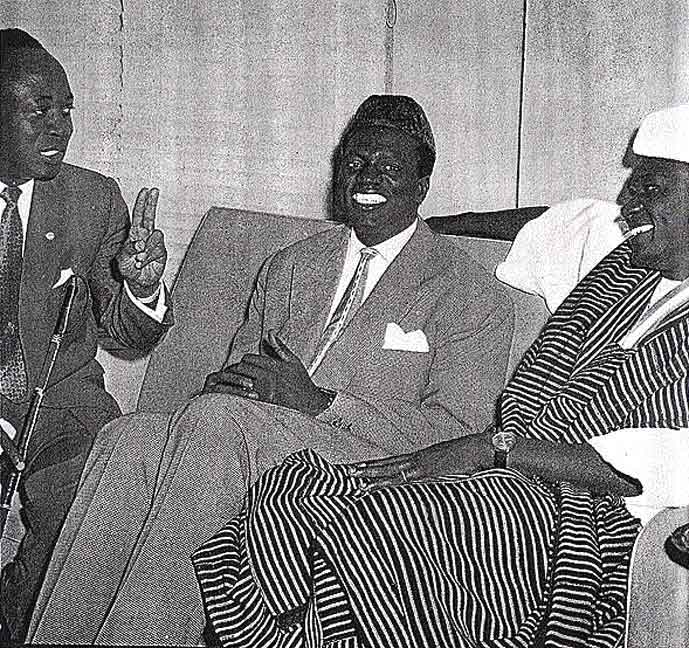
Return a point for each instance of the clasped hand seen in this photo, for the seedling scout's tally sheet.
(278, 376)
(141, 261)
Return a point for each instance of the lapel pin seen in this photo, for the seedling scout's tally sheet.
(50, 235)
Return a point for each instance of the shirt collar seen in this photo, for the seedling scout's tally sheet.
(388, 249)
(26, 187)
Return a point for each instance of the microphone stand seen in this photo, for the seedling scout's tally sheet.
(16, 450)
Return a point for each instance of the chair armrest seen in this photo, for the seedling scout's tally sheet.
(502, 225)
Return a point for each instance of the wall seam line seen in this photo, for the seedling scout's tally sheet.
(120, 102)
(390, 21)
(520, 120)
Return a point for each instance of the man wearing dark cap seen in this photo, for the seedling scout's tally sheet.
(56, 220)
(357, 343)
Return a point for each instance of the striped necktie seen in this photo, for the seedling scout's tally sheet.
(12, 370)
(351, 300)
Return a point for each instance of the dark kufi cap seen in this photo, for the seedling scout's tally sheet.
(400, 112)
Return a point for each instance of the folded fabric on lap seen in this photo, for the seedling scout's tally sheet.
(657, 457)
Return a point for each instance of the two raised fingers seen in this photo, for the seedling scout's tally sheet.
(143, 219)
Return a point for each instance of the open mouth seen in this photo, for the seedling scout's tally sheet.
(634, 224)
(369, 199)
(52, 155)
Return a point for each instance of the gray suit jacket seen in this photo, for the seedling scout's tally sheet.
(201, 459)
(433, 286)
(78, 220)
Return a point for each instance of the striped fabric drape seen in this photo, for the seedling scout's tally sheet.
(496, 559)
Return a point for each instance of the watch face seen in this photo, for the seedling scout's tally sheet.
(677, 546)
(504, 441)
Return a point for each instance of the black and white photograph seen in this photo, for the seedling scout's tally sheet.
(344, 324)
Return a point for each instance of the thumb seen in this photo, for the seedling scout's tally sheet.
(282, 351)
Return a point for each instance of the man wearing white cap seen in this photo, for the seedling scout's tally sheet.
(656, 196)
(518, 537)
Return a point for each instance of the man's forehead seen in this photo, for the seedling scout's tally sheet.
(35, 74)
(660, 169)
(382, 137)
(31, 64)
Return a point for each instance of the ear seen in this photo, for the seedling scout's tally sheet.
(422, 186)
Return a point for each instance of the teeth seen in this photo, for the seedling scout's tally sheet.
(50, 153)
(369, 198)
(630, 229)
(639, 229)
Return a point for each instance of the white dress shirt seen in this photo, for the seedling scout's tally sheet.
(143, 304)
(387, 252)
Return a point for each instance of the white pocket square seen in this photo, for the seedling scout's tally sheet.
(397, 340)
(65, 274)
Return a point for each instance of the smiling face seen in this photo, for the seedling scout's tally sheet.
(657, 194)
(35, 116)
(378, 182)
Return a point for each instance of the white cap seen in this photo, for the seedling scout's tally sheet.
(664, 134)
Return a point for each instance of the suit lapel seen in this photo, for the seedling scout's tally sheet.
(393, 297)
(40, 269)
(313, 287)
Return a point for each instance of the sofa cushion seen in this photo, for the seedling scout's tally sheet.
(215, 281)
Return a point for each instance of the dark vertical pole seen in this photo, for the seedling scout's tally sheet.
(522, 73)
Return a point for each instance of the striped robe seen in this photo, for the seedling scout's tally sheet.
(496, 559)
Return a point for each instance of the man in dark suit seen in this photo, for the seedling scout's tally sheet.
(59, 220)
(370, 338)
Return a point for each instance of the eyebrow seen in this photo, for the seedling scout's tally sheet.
(649, 177)
(47, 97)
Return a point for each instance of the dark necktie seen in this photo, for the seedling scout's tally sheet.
(350, 301)
(12, 371)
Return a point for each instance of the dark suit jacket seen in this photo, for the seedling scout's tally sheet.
(78, 220)
(432, 286)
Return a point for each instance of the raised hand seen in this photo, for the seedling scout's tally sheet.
(277, 377)
(141, 261)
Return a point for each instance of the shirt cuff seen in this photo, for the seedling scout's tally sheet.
(156, 312)
(9, 429)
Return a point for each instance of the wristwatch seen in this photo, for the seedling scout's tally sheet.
(677, 546)
(502, 442)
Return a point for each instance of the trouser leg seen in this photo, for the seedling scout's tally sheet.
(100, 530)
(46, 490)
(217, 447)
(137, 519)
